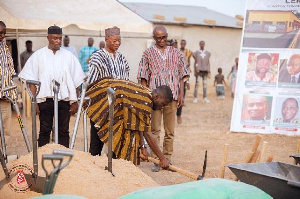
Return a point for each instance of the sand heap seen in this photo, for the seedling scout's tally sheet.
(85, 176)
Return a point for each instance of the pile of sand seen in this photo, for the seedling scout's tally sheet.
(85, 176)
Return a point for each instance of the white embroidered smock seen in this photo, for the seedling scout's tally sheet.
(63, 66)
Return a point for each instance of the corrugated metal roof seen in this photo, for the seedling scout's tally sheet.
(179, 14)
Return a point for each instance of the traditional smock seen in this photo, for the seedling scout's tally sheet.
(132, 114)
(63, 66)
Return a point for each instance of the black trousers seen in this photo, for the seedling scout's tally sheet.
(46, 122)
(96, 144)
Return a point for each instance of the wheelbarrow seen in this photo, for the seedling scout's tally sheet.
(278, 179)
(297, 158)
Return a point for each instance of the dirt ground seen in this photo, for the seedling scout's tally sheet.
(204, 127)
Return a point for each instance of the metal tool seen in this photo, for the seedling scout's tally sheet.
(23, 129)
(4, 155)
(34, 84)
(83, 90)
(84, 111)
(296, 158)
(62, 166)
(3, 163)
(111, 94)
(182, 171)
(46, 184)
(279, 180)
(56, 161)
(56, 86)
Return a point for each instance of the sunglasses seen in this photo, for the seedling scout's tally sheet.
(161, 38)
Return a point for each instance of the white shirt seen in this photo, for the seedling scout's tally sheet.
(71, 49)
(296, 77)
(63, 66)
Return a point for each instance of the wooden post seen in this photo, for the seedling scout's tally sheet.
(263, 152)
(297, 150)
(256, 144)
(224, 160)
(255, 156)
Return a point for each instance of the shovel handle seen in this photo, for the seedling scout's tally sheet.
(9, 88)
(178, 170)
(35, 83)
(111, 95)
(64, 153)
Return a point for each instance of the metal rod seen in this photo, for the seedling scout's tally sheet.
(84, 85)
(56, 86)
(2, 137)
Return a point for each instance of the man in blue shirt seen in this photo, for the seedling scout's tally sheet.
(85, 53)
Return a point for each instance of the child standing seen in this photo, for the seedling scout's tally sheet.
(219, 79)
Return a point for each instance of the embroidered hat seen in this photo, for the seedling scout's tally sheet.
(112, 31)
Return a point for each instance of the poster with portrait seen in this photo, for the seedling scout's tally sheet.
(267, 93)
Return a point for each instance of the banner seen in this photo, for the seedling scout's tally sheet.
(267, 92)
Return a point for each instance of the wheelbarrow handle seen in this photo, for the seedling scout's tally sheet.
(64, 153)
(293, 183)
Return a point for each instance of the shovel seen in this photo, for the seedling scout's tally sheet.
(56, 86)
(189, 174)
(111, 94)
(23, 129)
(84, 86)
(51, 179)
(36, 84)
(84, 111)
(3, 163)
(46, 184)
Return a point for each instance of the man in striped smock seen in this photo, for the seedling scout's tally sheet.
(6, 72)
(106, 62)
(132, 114)
(164, 65)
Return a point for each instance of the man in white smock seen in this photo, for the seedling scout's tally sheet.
(48, 63)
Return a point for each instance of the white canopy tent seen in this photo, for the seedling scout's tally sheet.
(90, 15)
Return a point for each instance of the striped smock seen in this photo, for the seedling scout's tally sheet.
(132, 114)
(6, 71)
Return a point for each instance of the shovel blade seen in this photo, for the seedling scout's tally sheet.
(36, 184)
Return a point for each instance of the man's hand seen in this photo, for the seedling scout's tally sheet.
(164, 163)
(180, 101)
(188, 87)
(144, 154)
(74, 108)
(37, 110)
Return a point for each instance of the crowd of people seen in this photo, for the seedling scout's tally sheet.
(140, 108)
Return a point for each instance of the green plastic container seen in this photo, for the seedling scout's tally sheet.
(213, 188)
